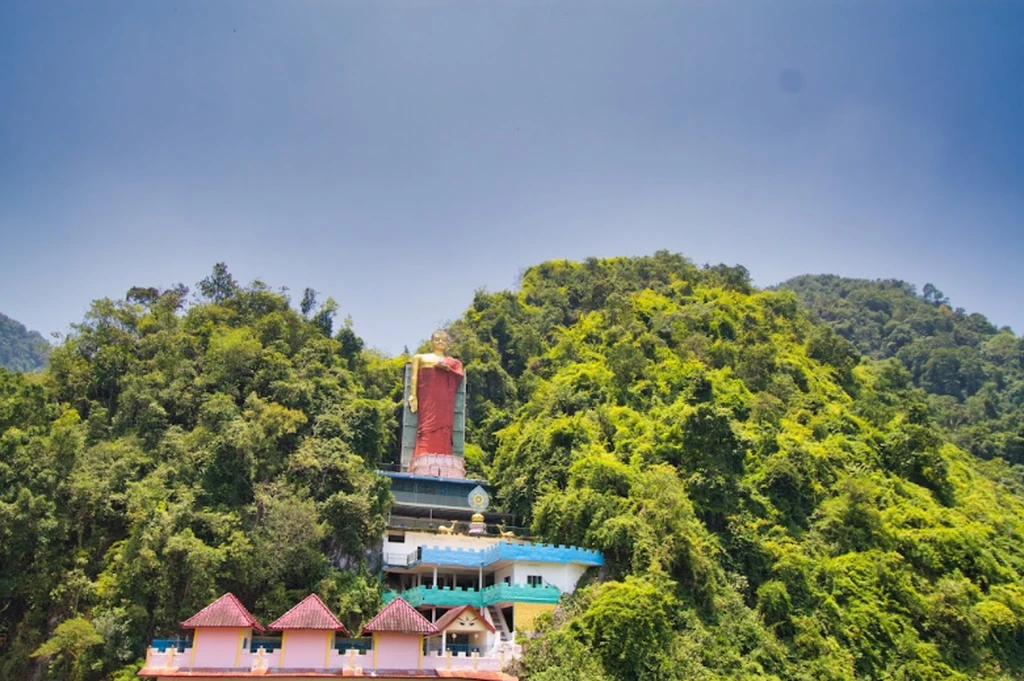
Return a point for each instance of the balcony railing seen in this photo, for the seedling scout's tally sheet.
(400, 559)
(453, 648)
(490, 595)
(268, 644)
(352, 656)
(179, 644)
(361, 644)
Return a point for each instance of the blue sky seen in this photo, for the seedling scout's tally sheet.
(399, 155)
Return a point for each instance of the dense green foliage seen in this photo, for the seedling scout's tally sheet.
(167, 456)
(972, 371)
(21, 349)
(770, 505)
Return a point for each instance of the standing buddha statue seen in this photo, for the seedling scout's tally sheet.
(434, 383)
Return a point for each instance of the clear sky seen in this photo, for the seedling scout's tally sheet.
(399, 155)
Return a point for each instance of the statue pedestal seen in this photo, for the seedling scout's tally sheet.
(477, 524)
(438, 466)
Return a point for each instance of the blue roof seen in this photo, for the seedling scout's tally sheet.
(427, 478)
(505, 551)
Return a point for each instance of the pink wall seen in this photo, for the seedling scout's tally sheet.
(216, 647)
(304, 648)
(397, 651)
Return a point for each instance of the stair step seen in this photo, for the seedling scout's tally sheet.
(499, 622)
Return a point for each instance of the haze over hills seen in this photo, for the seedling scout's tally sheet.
(21, 349)
(771, 503)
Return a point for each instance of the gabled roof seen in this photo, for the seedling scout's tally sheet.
(311, 613)
(226, 611)
(400, 617)
(449, 617)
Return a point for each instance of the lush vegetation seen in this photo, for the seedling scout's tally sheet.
(21, 349)
(771, 504)
(972, 371)
(169, 455)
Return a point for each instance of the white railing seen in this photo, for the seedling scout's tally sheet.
(400, 559)
(261, 661)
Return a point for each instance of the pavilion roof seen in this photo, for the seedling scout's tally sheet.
(311, 613)
(226, 611)
(400, 617)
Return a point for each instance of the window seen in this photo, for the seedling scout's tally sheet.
(396, 538)
(534, 580)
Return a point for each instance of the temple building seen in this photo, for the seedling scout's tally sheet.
(443, 548)
(459, 585)
(441, 552)
(398, 643)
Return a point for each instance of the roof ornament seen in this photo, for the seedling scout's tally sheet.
(478, 501)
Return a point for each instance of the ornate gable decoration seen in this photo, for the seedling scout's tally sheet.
(463, 619)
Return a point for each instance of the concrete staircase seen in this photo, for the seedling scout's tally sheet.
(498, 620)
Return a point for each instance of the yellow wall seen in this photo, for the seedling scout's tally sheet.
(525, 613)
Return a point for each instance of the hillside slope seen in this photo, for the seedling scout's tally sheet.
(770, 506)
(972, 371)
(21, 349)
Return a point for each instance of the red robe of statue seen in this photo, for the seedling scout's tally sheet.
(435, 392)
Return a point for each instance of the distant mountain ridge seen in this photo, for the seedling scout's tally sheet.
(21, 349)
(972, 371)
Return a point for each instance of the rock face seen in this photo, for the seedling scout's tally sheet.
(21, 349)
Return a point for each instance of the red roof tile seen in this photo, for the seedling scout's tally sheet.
(400, 617)
(311, 613)
(226, 611)
(449, 617)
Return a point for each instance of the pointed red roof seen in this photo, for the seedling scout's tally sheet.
(311, 613)
(226, 611)
(446, 619)
(400, 617)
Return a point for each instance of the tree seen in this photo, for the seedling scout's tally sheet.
(934, 295)
(308, 302)
(628, 626)
(142, 295)
(220, 285)
(324, 317)
(70, 648)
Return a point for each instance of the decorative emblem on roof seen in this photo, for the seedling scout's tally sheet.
(478, 499)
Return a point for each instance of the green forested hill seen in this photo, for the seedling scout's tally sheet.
(167, 456)
(21, 349)
(771, 504)
(972, 371)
